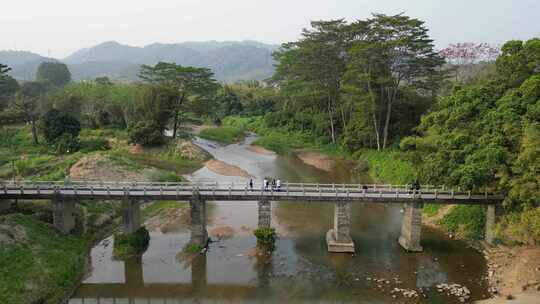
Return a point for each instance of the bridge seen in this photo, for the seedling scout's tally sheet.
(64, 196)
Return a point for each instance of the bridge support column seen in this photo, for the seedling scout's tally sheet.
(131, 216)
(199, 235)
(411, 228)
(339, 239)
(63, 215)
(491, 216)
(265, 214)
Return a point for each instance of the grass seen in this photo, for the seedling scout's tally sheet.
(224, 134)
(156, 207)
(192, 248)
(430, 210)
(468, 221)
(266, 237)
(41, 265)
(388, 166)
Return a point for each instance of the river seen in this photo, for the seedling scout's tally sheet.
(300, 269)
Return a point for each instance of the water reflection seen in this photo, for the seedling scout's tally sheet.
(300, 269)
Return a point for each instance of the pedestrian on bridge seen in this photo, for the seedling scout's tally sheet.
(265, 184)
(278, 184)
(251, 184)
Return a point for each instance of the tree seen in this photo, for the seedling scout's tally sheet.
(57, 125)
(27, 104)
(312, 68)
(55, 73)
(8, 86)
(396, 53)
(464, 55)
(181, 83)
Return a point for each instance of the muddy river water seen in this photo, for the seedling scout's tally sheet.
(300, 269)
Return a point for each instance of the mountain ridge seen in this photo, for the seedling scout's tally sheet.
(229, 60)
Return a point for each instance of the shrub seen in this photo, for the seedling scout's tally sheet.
(192, 248)
(224, 134)
(146, 133)
(55, 123)
(265, 237)
(94, 144)
(467, 220)
(66, 143)
(126, 245)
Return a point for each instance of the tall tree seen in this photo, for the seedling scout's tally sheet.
(182, 83)
(55, 73)
(395, 53)
(316, 63)
(8, 86)
(27, 103)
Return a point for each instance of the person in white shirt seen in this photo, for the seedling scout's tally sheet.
(278, 184)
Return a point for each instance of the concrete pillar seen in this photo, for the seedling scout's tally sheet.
(339, 239)
(265, 214)
(131, 215)
(133, 272)
(491, 214)
(411, 227)
(199, 235)
(198, 271)
(64, 215)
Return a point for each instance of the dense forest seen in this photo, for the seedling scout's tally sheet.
(374, 84)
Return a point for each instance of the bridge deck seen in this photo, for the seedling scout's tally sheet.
(240, 192)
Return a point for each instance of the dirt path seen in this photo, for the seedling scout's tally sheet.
(317, 160)
(99, 167)
(223, 168)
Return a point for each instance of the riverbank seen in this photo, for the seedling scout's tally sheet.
(39, 265)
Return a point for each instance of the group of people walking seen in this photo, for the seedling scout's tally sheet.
(268, 184)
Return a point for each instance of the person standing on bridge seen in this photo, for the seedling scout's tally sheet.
(278, 184)
(265, 184)
(251, 184)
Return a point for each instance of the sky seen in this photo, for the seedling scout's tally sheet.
(60, 27)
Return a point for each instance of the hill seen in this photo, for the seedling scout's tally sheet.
(230, 60)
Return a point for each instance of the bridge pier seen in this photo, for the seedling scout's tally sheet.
(491, 217)
(265, 214)
(63, 215)
(411, 227)
(339, 238)
(199, 235)
(131, 215)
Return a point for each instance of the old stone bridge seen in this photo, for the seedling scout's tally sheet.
(65, 195)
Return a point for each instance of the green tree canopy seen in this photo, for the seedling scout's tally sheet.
(55, 73)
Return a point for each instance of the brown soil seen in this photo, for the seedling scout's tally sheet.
(223, 232)
(187, 149)
(98, 167)
(223, 168)
(513, 270)
(317, 160)
(260, 150)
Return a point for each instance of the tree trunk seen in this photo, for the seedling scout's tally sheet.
(387, 123)
(377, 136)
(175, 125)
(34, 131)
(331, 125)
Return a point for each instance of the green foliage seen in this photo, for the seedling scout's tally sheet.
(8, 86)
(55, 73)
(388, 166)
(431, 209)
(146, 133)
(162, 176)
(40, 265)
(66, 143)
(266, 237)
(91, 144)
(128, 245)
(468, 221)
(55, 124)
(225, 134)
(523, 226)
(191, 248)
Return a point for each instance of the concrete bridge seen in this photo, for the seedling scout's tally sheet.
(65, 195)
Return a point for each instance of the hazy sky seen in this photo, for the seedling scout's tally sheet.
(63, 26)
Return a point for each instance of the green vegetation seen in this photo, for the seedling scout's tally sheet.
(388, 166)
(37, 265)
(431, 209)
(191, 248)
(128, 245)
(156, 207)
(224, 134)
(468, 221)
(266, 237)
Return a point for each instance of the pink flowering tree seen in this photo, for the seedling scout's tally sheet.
(463, 55)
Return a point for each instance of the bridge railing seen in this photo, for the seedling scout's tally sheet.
(229, 186)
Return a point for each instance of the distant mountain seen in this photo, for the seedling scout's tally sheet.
(229, 60)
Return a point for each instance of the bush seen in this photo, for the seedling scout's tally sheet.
(224, 134)
(468, 221)
(265, 237)
(146, 133)
(192, 248)
(94, 144)
(66, 143)
(127, 245)
(55, 123)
